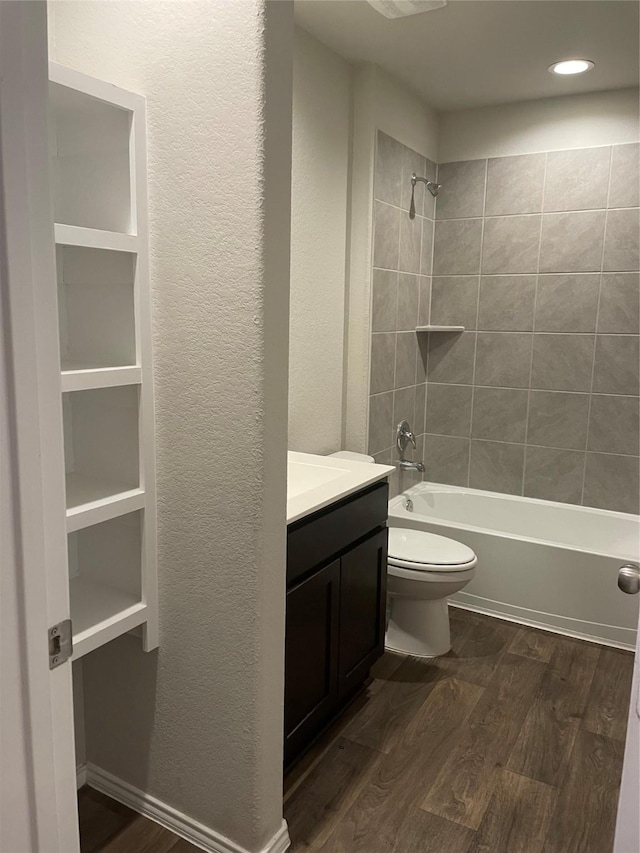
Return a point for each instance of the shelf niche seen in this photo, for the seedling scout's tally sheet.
(100, 443)
(105, 580)
(89, 149)
(96, 308)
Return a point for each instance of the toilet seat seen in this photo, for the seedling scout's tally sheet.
(419, 551)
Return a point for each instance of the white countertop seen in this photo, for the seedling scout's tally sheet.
(314, 482)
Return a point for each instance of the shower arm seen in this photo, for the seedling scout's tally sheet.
(433, 188)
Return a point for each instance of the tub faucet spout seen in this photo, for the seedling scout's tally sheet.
(406, 465)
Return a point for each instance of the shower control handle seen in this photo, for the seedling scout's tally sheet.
(629, 579)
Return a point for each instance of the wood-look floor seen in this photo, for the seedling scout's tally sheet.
(511, 743)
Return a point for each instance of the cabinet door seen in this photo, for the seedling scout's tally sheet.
(363, 587)
(311, 657)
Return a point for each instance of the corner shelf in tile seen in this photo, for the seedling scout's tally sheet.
(434, 328)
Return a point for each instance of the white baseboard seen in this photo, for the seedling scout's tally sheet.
(605, 635)
(81, 776)
(181, 824)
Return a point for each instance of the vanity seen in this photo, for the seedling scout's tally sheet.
(336, 589)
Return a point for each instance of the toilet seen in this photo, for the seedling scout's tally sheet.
(423, 570)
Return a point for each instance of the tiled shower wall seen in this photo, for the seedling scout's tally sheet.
(537, 256)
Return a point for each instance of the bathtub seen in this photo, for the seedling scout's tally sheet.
(551, 565)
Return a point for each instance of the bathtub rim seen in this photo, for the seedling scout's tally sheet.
(396, 510)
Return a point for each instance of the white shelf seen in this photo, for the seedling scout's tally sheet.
(94, 238)
(101, 613)
(87, 378)
(434, 328)
(91, 500)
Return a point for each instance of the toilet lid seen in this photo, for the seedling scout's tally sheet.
(417, 548)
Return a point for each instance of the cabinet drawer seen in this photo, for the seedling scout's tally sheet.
(314, 540)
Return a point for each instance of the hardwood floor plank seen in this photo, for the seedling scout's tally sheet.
(585, 815)
(388, 802)
(182, 846)
(607, 704)
(315, 808)
(141, 836)
(543, 749)
(517, 818)
(381, 723)
(480, 647)
(423, 832)
(533, 643)
(466, 782)
(100, 819)
(383, 669)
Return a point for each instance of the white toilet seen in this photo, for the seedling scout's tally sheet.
(422, 571)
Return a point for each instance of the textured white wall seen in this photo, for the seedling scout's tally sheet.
(319, 194)
(199, 723)
(380, 103)
(573, 121)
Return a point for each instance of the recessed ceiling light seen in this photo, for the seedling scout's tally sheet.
(571, 66)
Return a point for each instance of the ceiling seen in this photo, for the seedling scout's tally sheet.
(473, 53)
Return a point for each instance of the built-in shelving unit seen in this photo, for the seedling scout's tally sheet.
(433, 328)
(98, 168)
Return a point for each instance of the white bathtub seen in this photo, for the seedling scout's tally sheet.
(541, 563)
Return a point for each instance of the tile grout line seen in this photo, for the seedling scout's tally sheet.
(475, 343)
(595, 337)
(533, 322)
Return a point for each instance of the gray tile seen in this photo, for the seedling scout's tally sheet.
(410, 243)
(422, 341)
(454, 300)
(462, 193)
(412, 162)
(577, 180)
(625, 176)
(616, 365)
(446, 459)
(611, 482)
(431, 174)
(389, 169)
(499, 414)
(426, 262)
(380, 422)
(614, 425)
(496, 467)
(515, 184)
(572, 242)
(619, 303)
(386, 239)
(408, 300)
(424, 313)
(412, 478)
(503, 359)
(511, 244)
(457, 247)
(622, 241)
(383, 351)
(404, 407)
(421, 394)
(448, 409)
(384, 457)
(384, 301)
(451, 357)
(406, 353)
(557, 419)
(567, 303)
(554, 475)
(506, 303)
(562, 362)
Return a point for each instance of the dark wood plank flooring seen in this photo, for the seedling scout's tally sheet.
(511, 743)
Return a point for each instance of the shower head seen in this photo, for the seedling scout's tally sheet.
(433, 188)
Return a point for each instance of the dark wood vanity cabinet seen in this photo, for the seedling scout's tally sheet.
(336, 599)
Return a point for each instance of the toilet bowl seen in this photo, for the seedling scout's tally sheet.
(423, 569)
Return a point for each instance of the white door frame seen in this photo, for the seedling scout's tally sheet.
(38, 809)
